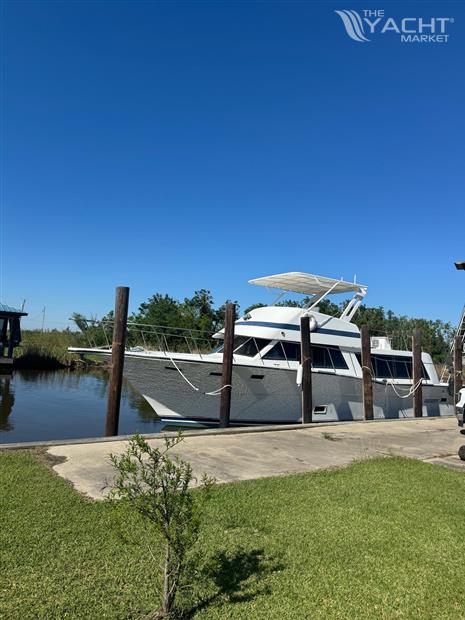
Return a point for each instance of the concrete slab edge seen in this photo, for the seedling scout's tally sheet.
(208, 431)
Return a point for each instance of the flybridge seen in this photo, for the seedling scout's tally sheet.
(317, 287)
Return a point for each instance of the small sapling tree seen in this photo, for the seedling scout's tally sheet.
(159, 488)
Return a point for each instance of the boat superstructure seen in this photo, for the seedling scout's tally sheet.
(186, 386)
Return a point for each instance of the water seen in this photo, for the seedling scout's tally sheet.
(39, 405)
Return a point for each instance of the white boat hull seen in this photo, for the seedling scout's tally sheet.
(266, 395)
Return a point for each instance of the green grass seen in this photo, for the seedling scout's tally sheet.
(48, 350)
(379, 539)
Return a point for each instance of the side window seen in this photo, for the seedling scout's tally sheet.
(275, 353)
(401, 369)
(238, 341)
(381, 368)
(328, 357)
(251, 347)
(261, 343)
(392, 367)
(292, 351)
(283, 350)
(337, 358)
(321, 357)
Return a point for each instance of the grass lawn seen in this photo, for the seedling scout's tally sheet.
(379, 539)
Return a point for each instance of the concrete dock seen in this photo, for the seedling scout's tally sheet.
(238, 454)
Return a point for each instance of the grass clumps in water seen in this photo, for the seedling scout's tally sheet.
(48, 350)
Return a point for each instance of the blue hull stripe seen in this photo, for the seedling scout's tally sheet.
(322, 330)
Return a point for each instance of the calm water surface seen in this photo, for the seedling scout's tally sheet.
(37, 406)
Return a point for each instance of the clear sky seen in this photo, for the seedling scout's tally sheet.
(171, 146)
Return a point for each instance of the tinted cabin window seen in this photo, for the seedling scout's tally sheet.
(251, 347)
(322, 357)
(327, 357)
(392, 367)
(275, 353)
(284, 351)
(380, 367)
(292, 351)
(401, 369)
(238, 341)
(337, 358)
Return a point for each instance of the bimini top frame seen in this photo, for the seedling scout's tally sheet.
(317, 287)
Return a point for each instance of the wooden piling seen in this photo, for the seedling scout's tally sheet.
(417, 374)
(458, 366)
(306, 361)
(367, 373)
(117, 360)
(226, 381)
(3, 337)
(10, 341)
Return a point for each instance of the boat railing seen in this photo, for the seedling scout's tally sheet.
(147, 337)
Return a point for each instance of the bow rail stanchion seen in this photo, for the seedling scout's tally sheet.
(367, 373)
(226, 382)
(417, 374)
(306, 361)
(117, 360)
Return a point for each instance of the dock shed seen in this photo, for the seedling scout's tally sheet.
(10, 332)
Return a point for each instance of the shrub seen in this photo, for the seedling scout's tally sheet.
(159, 488)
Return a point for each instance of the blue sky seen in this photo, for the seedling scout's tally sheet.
(170, 146)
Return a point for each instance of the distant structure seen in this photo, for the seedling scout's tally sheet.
(10, 333)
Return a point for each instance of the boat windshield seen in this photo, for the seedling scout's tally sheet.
(244, 345)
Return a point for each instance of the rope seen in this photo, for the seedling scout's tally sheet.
(196, 389)
(213, 393)
(218, 391)
(411, 391)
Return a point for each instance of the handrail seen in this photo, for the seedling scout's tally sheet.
(165, 338)
(147, 325)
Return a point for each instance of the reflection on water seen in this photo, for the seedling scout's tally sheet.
(42, 405)
(7, 400)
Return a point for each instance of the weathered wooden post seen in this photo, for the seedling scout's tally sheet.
(3, 335)
(417, 374)
(306, 361)
(117, 360)
(11, 341)
(458, 366)
(226, 381)
(367, 373)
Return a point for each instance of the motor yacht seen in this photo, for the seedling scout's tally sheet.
(185, 387)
